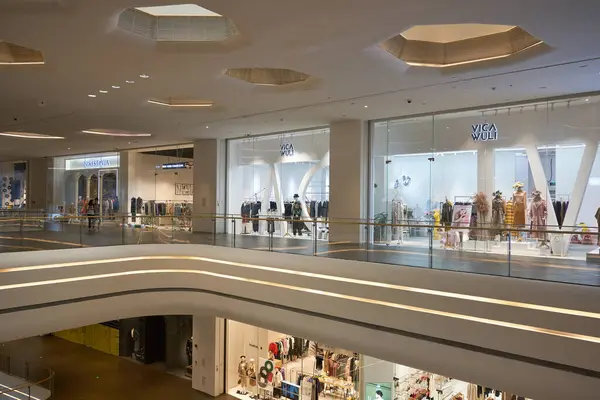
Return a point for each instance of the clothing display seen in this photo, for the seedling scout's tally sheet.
(560, 209)
(250, 212)
(597, 216)
(509, 217)
(498, 214)
(298, 225)
(447, 210)
(538, 213)
(519, 207)
(289, 348)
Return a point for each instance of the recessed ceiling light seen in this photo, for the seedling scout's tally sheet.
(144, 76)
(130, 82)
(107, 132)
(116, 87)
(103, 91)
(587, 99)
(182, 104)
(29, 135)
(366, 106)
(91, 95)
(206, 126)
(68, 148)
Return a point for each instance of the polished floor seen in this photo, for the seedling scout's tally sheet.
(558, 269)
(83, 373)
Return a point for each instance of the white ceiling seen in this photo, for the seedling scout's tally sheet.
(335, 41)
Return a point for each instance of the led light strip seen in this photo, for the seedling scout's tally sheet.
(166, 104)
(522, 327)
(481, 299)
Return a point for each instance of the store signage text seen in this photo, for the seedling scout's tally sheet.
(92, 163)
(179, 165)
(484, 132)
(287, 149)
(96, 163)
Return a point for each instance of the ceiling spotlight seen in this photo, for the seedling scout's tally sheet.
(144, 76)
(587, 99)
(29, 135)
(68, 148)
(91, 95)
(366, 106)
(129, 82)
(116, 87)
(103, 91)
(206, 126)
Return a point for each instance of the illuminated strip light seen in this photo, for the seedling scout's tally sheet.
(18, 391)
(511, 325)
(166, 104)
(29, 135)
(22, 63)
(115, 133)
(418, 64)
(481, 299)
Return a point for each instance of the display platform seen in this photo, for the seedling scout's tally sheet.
(593, 256)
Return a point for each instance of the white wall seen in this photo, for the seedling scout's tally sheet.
(151, 183)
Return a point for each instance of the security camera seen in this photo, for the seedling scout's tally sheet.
(15, 119)
(408, 101)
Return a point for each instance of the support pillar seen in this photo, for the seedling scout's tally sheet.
(208, 365)
(209, 184)
(348, 171)
(40, 183)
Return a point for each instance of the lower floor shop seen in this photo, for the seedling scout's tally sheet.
(264, 364)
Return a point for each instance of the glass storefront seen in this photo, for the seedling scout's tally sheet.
(266, 364)
(13, 185)
(283, 175)
(263, 364)
(523, 173)
(160, 187)
(77, 180)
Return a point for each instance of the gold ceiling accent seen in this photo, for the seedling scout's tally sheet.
(12, 54)
(177, 23)
(451, 45)
(267, 76)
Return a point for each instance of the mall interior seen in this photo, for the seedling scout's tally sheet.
(259, 201)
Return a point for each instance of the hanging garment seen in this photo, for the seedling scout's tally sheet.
(255, 214)
(538, 212)
(509, 217)
(133, 208)
(447, 213)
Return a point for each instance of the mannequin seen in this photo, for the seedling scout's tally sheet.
(243, 375)
(189, 349)
(378, 395)
(251, 372)
(436, 222)
(297, 216)
(538, 212)
(498, 213)
(519, 207)
(277, 380)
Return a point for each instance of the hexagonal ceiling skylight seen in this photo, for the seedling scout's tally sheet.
(458, 44)
(267, 76)
(177, 23)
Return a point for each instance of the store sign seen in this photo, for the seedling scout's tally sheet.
(287, 149)
(93, 163)
(484, 132)
(179, 165)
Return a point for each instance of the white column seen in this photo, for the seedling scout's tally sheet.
(209, 184)
(348, 180)
(208, 365)
(40, 183)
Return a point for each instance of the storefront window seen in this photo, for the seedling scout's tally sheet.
(489, 177)
(160, 190)
(266, 364)
(77, 180)
(13, 184)
(388, 381)
(283, 175)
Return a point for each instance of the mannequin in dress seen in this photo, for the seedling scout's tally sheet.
(251, 372)
(538, 212)
(498, 213)
(519, 207)
(243, 375)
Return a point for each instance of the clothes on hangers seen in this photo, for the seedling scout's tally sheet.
(560, 209)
